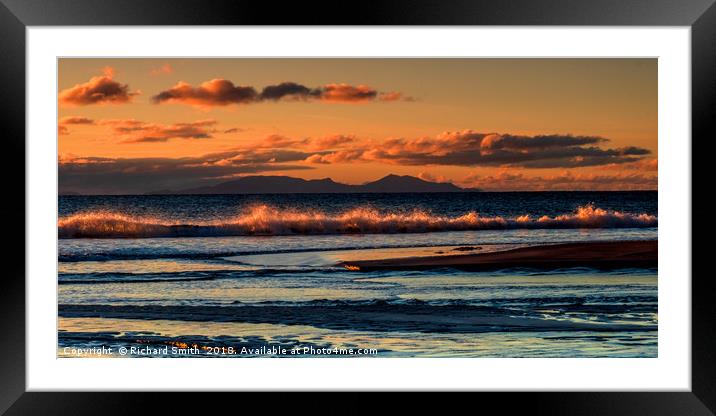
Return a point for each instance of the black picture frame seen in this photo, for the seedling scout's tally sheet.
(16, 15)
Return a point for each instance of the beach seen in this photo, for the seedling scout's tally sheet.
(598, 255)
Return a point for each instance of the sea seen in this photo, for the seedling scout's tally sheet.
(260, 276)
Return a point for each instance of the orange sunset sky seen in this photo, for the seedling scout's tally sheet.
(140, 125)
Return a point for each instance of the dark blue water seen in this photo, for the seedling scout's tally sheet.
(200, 207)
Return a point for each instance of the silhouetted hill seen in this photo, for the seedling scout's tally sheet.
(395, 183)
(287, 184)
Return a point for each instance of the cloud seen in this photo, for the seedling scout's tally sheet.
(516, 181)
(427, 176)
(348, 93)
(471, 148)
(241, 157)
(282, 153)
(644, 165)
(217, 92)
(234, 130)
(222, 92)
(135, 131)
(316, 159)
(76, 120)
(507, 141)
(97, 175)
(340, 156)
(337, 93)
(278, 141)
(288, 89)
(102, 89)
(331, 142)
(62, 124)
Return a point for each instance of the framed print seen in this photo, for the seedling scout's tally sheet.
(453, 197)
(228, 237)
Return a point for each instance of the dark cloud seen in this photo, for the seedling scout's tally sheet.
(135, 131)
(217, 92)
(101, 89)
(62, 124)
(95, 175)
(331, 93)
(470, 148)
(507, 141)
(281, 153)
(288, 89)
(221, 92)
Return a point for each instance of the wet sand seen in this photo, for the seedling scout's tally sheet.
(333, 257)
(598, 255)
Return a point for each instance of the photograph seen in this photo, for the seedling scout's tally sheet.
(357, 207)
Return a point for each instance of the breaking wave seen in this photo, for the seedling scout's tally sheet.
(266, 220)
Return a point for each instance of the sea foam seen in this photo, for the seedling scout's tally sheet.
(268, 220)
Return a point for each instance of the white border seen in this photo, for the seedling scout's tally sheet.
(670, 371)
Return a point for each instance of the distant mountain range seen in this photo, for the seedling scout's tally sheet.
(287, 184)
